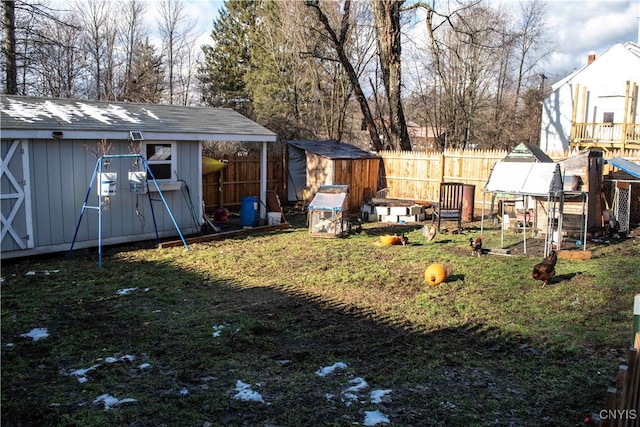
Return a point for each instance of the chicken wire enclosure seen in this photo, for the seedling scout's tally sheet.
(327, 212)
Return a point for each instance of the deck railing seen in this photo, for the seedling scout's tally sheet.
(616, 136)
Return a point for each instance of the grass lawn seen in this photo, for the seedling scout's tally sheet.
(282, 329)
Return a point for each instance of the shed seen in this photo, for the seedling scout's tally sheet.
(48, 165)
(331, 162)
(542, 181)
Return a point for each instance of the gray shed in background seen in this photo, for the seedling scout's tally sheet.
(48, 164)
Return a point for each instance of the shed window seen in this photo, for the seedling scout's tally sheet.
(161, 158)
(607, 118)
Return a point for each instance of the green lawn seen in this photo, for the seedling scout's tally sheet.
(234, 333)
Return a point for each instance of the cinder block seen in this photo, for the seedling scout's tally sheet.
(416, 210)
(382, 210)
(398, 210)
(390, 218)
(366, 208)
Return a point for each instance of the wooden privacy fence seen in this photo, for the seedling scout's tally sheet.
(417, 175)
(410, 175)
(241, 178)
(622, 403)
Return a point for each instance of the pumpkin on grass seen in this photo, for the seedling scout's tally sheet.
(435, 274)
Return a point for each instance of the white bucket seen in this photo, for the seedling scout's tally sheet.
(138, 181)
(274, 218)
(107, 183)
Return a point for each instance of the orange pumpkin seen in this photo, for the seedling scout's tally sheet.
(435, 274)
(389, 240)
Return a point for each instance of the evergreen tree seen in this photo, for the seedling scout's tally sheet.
(227, 61)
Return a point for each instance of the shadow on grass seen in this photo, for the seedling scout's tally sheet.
(273, 338)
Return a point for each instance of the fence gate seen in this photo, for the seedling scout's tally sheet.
(15, 193)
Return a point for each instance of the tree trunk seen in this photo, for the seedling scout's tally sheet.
(9, 7)
(338, 43)
(386, 15)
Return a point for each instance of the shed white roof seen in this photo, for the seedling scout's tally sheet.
(533, 179)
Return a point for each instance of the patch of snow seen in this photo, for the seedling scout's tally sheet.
(110, 401)
(358, 384)
(126, 357)
(376, 395)
(217, 330)
(126, 291)
(30, 273)
(184, 391)
(36, 334)
(323, 372)
(145, 366)
(372, 418)
(244, 392)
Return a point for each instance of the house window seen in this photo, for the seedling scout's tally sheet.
(161, 158)
(607, 118)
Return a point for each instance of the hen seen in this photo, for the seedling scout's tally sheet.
(545, 270)
(429, 232)
(476, 245)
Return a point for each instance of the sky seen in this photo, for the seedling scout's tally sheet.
(575, 27)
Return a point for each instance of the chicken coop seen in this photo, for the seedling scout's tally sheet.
(541, 182)
(327, 212)
(622, 193)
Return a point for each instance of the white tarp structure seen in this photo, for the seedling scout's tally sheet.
(542, 180)
(531, 179)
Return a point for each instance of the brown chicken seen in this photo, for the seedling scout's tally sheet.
(429, 232)
(476, 245)
(545, 270)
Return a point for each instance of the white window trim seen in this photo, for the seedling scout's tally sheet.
(174, 157)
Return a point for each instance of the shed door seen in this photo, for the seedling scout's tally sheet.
(16, 228)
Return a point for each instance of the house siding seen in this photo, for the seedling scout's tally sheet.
(605, 82)
(60, 173)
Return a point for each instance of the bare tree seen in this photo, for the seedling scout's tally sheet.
(131, 33)
(338, 40)
(57, 61)
(98, 34)
(9, 46)
(177, 33)
(386, 14)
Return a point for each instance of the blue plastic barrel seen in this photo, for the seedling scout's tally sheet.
(249, 211)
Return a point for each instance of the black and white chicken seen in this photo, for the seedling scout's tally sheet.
(476, 245)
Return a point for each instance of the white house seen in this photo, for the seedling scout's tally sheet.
(596, 106)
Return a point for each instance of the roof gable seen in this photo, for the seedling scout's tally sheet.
(32, 117)
(526, 152)
(628, 53)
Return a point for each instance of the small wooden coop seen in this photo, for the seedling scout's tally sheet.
(312, 164)
(327, 212)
